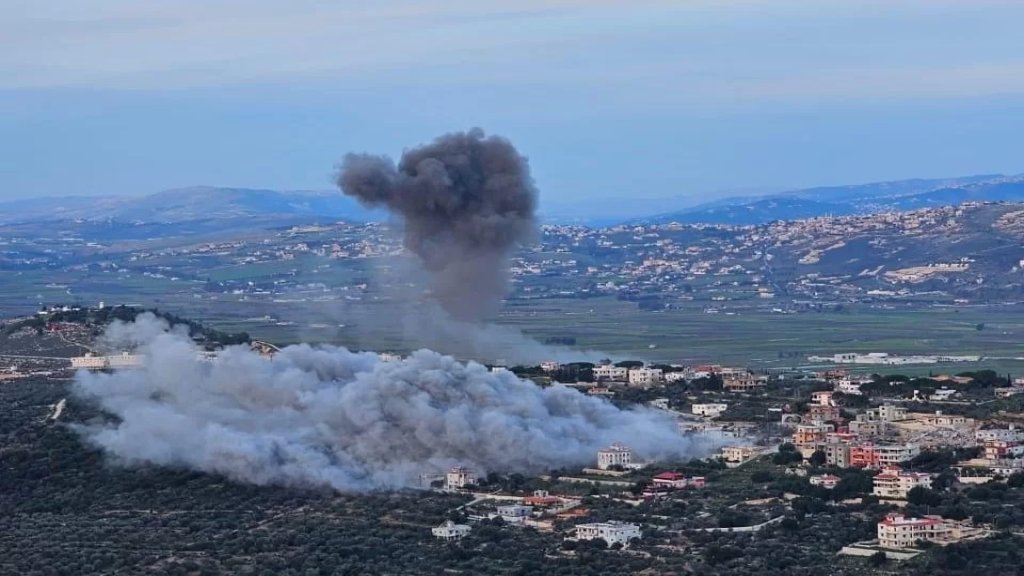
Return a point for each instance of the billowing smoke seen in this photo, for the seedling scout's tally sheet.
(466, 201)
(328, 416)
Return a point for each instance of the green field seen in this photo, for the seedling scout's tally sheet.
(748, 335)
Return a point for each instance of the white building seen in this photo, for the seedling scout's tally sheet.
(897, 531)
(1011, 434)
(550, 366)
(614, 455)
(893, 483)
(660, 403)
(675, 376)
(610, 372)
(644, 376)
(121, 360)
(515, 513)
(459, 477)
(709, 410)
(611, 532)
(848, 387)
(450, 531)
(828, 481)
(886, 413)
(890, 454)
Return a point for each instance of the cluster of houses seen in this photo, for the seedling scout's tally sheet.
(542, 508)
(861, 444)
(611, 532)
(733, 379)
(1002, 455)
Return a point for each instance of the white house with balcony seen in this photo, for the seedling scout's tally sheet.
(450, 531)
(611, 532)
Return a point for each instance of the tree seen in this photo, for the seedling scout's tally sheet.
(787, 454)
(878, 558)
(921, 496)
(818, 458)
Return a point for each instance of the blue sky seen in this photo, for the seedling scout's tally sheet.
(691, 98)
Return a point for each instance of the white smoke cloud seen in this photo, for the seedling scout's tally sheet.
(329, 416)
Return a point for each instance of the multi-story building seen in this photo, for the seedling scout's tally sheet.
(709, 410)
(610, 372)
(459, 477)
(890, 454)
(739, 453)
(823, 398)
(886, 413)
(849, 387)
(811, 434)
(823, 413)
(864, 427)
(450, 531)
(837, 453)
(897, 531)
(611, 532)
(880, 455)
(614, 455)
(644, 376)
(675, 376)
(550, 366)
(1002, 450)
(894, 483)
(742, 381)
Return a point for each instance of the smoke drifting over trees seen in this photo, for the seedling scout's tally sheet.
(466, 201)
(328, 416)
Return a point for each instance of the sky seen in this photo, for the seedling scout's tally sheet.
(682, 99)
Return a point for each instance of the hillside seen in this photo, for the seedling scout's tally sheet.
(849, 200)
(195, 204)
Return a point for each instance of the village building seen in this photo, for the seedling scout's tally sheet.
(897, 531)
(611, 373)
(712, 410)
(611, 532)
(450, 531)
(877, 456)
(828, 481)
(459, 477)
(894, 483)
(515, 513)
(837, 453)
(739, 453)
(812, 434)
(615, 455)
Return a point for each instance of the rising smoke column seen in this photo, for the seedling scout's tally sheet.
(466, 201)
(328, 416)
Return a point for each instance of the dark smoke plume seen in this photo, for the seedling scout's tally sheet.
(328, 416)
(466, 201)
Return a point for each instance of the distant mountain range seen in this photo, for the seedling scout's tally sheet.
(848, 200)
(205, 209)
(196, 204)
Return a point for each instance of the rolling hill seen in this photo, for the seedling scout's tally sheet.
(848, 200)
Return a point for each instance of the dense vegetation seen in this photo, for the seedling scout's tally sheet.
(97, 318)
